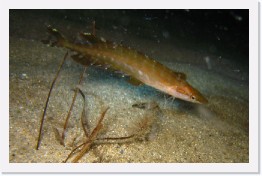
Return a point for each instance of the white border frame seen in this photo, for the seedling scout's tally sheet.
(251, 167)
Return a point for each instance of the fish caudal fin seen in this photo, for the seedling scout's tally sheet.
(60, 39)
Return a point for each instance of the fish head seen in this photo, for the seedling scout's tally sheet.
(188, 93)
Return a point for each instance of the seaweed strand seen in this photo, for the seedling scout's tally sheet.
(72, 104)
(47, 100)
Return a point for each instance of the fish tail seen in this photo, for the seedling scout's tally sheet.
(60, 39)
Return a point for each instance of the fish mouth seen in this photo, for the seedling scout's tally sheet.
(200, 99)
(203, 100)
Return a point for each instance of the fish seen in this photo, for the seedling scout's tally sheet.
(91, 50)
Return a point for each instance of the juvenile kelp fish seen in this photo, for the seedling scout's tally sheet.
(141, 68)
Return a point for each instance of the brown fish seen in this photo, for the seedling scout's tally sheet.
(140, 67)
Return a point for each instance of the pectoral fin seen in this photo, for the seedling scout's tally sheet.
(134, 81)
(180, 75)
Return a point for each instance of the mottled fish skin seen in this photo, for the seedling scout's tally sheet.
(135, 64)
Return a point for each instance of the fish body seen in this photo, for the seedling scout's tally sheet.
(132, 63)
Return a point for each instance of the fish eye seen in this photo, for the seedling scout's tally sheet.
(193, 97)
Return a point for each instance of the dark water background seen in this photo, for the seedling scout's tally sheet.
(220, 32)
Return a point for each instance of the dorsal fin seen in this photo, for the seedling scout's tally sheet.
(88, 60)
(91, 38)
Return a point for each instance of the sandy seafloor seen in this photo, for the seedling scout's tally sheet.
(177, 132)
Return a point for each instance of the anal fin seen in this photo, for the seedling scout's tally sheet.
(84, 60)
